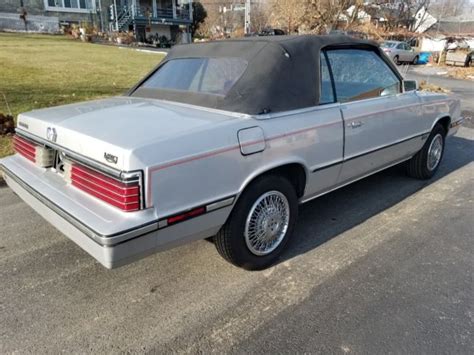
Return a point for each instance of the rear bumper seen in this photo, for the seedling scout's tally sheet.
(121, 247)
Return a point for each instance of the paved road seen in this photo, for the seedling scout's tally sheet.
(464, 89)
(383, 265)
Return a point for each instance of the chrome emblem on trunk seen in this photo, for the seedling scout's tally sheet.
(22, 124)
(51, 134)
(110, 158)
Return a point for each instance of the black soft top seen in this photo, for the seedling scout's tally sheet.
(282, 72)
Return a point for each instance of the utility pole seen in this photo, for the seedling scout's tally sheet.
(247, 25)
(115, 16)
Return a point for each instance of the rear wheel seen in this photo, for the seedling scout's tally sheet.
(396, 60)
(424, 164)
(260, 224)
(415, 60)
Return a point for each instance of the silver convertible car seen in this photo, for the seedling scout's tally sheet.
(225, 139)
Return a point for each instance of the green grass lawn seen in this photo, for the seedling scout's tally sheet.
(39, 71)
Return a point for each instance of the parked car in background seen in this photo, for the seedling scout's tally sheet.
(400, 52)
(225, 139)
(271, 32)
(459, 57)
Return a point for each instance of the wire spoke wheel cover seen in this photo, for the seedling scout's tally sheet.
(435, 152)
(267, 223)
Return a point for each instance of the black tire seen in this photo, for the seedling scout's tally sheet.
(415, 60)
(396, 60)
(468, 62)
(417, 166)
(230, 242)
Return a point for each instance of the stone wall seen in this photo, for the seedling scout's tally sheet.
(33, 7)
(35, 23)
(40, 20)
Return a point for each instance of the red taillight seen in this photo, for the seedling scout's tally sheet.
(25, 148)
(187, 215)
(124, 195)
(40, 155)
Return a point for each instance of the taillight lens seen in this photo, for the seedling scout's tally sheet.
(122, 194)
(40, 155)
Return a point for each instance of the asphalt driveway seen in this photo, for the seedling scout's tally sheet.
(464, 89)
(383, 265)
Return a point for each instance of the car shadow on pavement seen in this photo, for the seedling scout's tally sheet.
(330, 215)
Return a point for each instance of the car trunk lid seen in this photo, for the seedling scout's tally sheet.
(109, 130)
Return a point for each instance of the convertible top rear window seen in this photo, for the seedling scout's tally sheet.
(215, 76)
(251, 75)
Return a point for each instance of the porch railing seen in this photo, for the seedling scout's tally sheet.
(147, 12)
(126, 15)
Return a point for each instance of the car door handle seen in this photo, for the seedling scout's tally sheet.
(355, 124)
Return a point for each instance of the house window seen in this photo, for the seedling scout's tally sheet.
(70, 5)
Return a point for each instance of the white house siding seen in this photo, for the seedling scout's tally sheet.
(432, 45)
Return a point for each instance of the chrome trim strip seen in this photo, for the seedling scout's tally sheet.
(384, 147)
(163, 223)
(307, 199)
(369, 152)
(330, 165)
(459, 122)
(220, 204)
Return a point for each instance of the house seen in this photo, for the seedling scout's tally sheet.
(49, 15)
(446, 31)
(148, 18)
(362, 16)
(144, 18)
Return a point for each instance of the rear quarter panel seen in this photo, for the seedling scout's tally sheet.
(209, 166)
(437, 106)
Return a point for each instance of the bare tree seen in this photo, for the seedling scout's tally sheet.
(314, 16)
(323, 15)
(288, 14)
(401, 14)
(260, 16)
(447, 8)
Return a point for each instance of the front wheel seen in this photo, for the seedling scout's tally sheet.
(260, 224)
(423, 165)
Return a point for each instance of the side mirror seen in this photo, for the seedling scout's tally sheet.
(410, 85)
